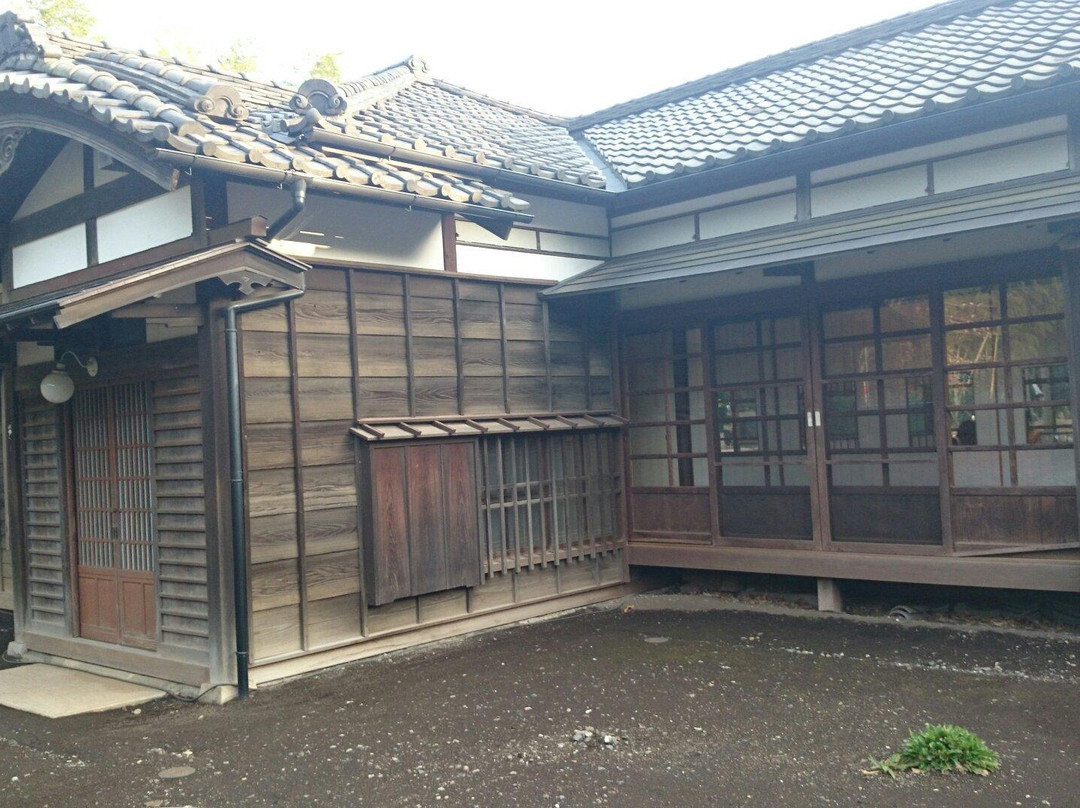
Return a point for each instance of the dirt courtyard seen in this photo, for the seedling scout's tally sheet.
(703, 706)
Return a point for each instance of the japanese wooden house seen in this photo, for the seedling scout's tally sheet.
(296, 375)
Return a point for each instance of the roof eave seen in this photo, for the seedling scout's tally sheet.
(994, 113)
(322, 185)
(496, 176)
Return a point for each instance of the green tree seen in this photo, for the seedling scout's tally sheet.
(72, 16)
(239, 58)
(327, 66)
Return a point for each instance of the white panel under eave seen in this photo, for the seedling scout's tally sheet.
(869, 190)
(146, 224)
(748, 216)
(514, 264)
(63, 179)
(998, 165)
(569, 217)
(653, 236)
(345, 229)
(49, 257)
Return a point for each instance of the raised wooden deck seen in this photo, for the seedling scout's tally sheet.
(1054, 571)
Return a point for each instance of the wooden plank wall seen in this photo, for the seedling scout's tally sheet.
(6, 569)
(43, 513)
(364, 343)
(180, 511)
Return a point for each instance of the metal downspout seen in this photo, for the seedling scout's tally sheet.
(236, 463)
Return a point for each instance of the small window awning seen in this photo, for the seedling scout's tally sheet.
(376, 430)
(244, 264)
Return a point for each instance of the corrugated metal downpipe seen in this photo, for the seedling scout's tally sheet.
(236, 463)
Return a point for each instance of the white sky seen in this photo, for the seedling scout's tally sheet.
(552, 55)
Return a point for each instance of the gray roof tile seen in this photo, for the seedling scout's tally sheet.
(953, 54)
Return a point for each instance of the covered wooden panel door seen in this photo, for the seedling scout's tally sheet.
(114, 514)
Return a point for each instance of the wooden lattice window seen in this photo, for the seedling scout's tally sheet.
(546, 499)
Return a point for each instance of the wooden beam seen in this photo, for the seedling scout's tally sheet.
(1051, 574)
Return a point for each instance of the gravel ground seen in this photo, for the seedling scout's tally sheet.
(704, 706)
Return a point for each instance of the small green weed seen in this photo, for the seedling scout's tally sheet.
(942, 748)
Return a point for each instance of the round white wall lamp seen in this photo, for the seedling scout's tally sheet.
(58, 386)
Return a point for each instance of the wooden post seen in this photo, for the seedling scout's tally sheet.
(1070, 247)
(829, 598)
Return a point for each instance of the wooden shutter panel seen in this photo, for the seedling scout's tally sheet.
(423, 529)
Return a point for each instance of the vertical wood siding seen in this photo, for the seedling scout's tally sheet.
(363, 344)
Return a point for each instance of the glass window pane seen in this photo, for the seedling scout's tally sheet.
(1037, 340)
(1041, 383)
(786, 400)
(737, 368)
(1041, 425)
(693, 340)
(971, 346)
(979, 469)
(983, 386)
(700, 466)
(734, 473)
(905, 314)
(736, 335)
(973, 305)
(849, 322)
(650, 375)
(650, 440)
(920, 470)
(1034, 297)
(697, 439)
(650, 407)
(906, 352)
(788, 363)
(857, 473)
(788, 330)
(650, 472)
(640, 346)
(792, 436)
(908, 391)
(795, 474)
(979, 428)
(1050, 467)
(850, 357)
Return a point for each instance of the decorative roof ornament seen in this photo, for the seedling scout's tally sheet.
(204, 96)
(340, 98)
(19, 36)
(9, 143)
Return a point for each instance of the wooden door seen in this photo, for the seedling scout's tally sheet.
(114, 514)
(763, 469)
(878, 405)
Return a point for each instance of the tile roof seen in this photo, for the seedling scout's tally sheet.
(163, 104)
(953, 54)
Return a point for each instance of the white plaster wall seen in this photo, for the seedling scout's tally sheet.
(514, 264)
(146, 224)
(652, 236)
(748, 216)
(998, 165)
(868, 191)
(63, 179)
(49, 256)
